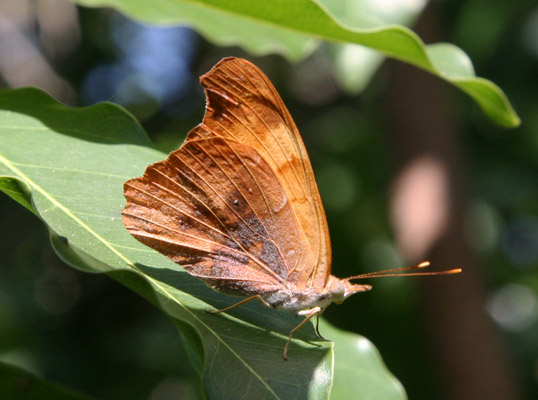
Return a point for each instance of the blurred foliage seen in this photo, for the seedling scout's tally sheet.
(19, 384)
(76, 328)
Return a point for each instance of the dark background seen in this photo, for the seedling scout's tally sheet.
(408, 170)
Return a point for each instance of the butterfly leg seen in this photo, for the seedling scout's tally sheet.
(308, 314)
(317, 324)
(256, 296)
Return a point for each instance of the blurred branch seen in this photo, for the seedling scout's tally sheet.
(428, 206)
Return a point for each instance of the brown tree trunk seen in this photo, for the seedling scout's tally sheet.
(467, 346)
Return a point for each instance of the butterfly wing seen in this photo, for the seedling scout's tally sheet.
(218, 209)
(237, 205)
(243, 105)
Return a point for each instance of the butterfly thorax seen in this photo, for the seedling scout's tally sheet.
(336, 290)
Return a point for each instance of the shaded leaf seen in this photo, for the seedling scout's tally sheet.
(18, 191)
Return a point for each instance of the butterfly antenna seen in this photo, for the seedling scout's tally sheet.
(398, 272)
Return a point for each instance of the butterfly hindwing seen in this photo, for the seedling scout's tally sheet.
(216, 207)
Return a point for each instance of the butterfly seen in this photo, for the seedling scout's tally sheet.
(237, 204)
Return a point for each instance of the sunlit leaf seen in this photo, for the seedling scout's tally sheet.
(263, 27)
(69, 165)
(354, 64)
(352, 350)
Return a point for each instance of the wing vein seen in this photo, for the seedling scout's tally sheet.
(254, 258)
(252, 208)
(177, 209)
(275, 137)
(156, 237)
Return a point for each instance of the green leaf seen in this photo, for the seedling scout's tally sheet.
(217, 25)
(261, 27)
(18, 191)
(70, 165)
(17, 384)
(353, 377)
(353, 64)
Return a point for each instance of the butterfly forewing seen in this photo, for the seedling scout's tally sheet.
(216, 207)
(244, 106)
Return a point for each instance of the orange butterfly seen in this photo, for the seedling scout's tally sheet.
(237, 204)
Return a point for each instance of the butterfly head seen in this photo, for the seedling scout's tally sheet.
(341, 289)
